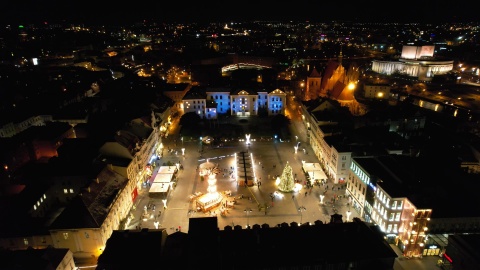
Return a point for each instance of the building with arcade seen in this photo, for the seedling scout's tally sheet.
(415, 61)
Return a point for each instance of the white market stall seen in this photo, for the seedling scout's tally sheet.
(163, 178)
(315, 171)
(159, 190)
(167, 169)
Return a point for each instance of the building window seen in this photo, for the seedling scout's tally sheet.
(71, 190)
(65, 235)
(400, 205)
(25, 241)
(397, 217)
(86, 235)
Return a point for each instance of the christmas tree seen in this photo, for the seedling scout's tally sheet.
(286, 183)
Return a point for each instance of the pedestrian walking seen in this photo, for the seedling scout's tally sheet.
(306, 192)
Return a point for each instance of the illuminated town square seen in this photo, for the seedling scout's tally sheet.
(214, 183)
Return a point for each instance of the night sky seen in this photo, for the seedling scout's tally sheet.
(89, 11)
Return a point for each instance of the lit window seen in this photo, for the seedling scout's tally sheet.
(86, 235)
(25, 241)
(71, 190)
(65, 191)
(65, 235)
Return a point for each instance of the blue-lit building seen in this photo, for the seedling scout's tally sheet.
(210, 102)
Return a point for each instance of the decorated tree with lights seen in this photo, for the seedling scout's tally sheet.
(286, 182)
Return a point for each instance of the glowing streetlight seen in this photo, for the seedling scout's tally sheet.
(321, 198)
(301, 209)
(247, 211)
(247, 137)
(183, 151)
(296, 148)
(164, 203)
(161, 149)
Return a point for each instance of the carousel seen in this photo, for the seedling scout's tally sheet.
(212, 198)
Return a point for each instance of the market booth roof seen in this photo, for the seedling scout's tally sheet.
(315, 171)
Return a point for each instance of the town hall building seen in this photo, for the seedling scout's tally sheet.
(210, 102)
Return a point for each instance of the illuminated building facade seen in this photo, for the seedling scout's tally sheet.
(208, 103)
(381, 197)
(414, 61)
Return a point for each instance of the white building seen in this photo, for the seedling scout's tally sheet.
(418, 62)
(380, 191)
(208, 103)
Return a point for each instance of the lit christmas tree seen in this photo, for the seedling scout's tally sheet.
(286, 182)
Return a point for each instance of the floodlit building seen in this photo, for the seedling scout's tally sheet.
(415, 61)
(380, 190)
(208, 102)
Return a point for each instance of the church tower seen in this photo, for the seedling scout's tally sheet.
(314, 81)
(340, 56)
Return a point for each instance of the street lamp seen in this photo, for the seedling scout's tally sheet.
(348, 215)
(247, 211)
(183, 151)
(164, 203)
(296, 148)
(321, 198)
(301, 209)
